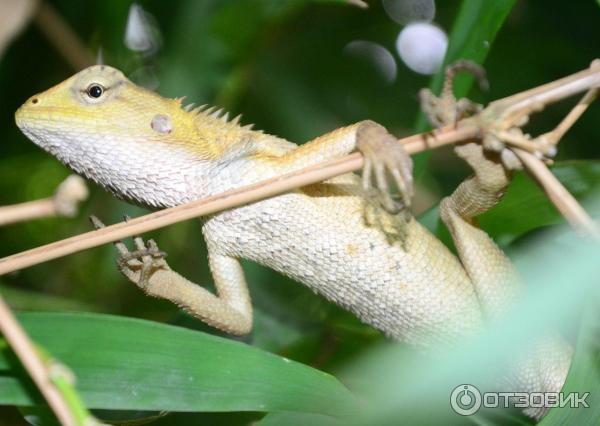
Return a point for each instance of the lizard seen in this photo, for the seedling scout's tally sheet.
(351, 239)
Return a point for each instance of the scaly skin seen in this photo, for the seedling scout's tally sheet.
(333, 237)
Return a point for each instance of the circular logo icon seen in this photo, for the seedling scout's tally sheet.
(465, 400)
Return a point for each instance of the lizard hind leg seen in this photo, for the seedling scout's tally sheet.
(543, 367)
(446, 109)
(491, 272)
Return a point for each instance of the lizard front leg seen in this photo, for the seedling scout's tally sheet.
(387, 164)
(230, 310)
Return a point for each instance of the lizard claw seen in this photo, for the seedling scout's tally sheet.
(387, 164)
(139, 264)
(446, 109)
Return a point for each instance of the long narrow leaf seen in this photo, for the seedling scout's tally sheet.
(130, 364)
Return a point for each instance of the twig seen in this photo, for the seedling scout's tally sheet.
(566, 204)
(555, 135)
(64, 203)
(38, 371)
(506, 113)
(27, 211)
(62, 37)
(546, 94)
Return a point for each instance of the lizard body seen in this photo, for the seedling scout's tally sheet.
(333, 237)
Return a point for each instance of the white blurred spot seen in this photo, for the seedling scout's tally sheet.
(405, 11)
(422, 47)
(377, 55)
(141, 33)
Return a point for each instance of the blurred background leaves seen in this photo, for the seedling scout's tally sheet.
(290, 68)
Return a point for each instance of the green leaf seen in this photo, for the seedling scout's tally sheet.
(472, 35)
(298, 419)
(21, 299)
(583, 377)
(130, 364)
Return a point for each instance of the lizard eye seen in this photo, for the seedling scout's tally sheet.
(95, 91)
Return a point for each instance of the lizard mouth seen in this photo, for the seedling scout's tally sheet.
(20, 117)
(44, 125)
(27, 115)
(45, 117)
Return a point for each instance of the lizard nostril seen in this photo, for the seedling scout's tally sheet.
(35, 101)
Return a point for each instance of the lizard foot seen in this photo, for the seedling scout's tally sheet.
(137, 265)
(446, 109)
(387, 164)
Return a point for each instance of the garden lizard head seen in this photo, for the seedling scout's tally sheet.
(140, 146)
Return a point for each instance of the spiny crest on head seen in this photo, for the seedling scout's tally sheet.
(206, 112)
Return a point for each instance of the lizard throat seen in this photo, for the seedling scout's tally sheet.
(163, 176)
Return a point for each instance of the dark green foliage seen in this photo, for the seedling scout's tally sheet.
(282, 64)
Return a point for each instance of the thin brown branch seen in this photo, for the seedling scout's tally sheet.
(555, 135)
(38, 371)
(522, 104)
(64, 203)
(27, 211)
(566, 204)
(62, 37)
(546, 94)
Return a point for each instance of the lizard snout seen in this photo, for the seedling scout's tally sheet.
(22, 113)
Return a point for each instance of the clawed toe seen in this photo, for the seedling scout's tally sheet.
(387, 168)
(145, 259)
(446, 109)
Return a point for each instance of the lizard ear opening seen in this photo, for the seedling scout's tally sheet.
(161, 124)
